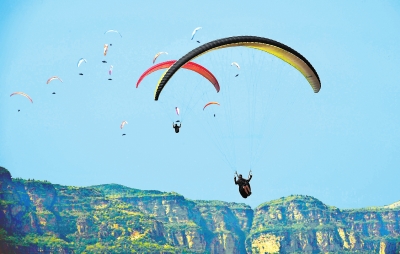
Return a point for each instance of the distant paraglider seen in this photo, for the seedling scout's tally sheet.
(110, 70)
(157, 55)
(123, 124)
(195, 31)
(113, 31)
(53, 78)
(176, 126)
(211, 103)
(23, 94)
(81, 61)
(105, 49)
(189, 66)
(236, 64)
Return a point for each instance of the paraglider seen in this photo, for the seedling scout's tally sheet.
(81, 61)
(195, 31)
(236, 64)
(54, 93)
(198, 41)
(241, 50)
(157, 55)
(211, 103)
(275, 48)
(53, 78)
(113, 31)
(105, 49)
(23, 94)
(123, 124)
(244, 184)
(189, 66)
(104, 61)
(176, 126)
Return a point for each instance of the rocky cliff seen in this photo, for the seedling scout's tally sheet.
(303, 224)
(40, 217)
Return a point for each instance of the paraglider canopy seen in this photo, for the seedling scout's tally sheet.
(211, 103)
(113, 31)
(194, 32)
(123, 124)
(105, 49)
(23, 94)
(275, 48)
(81, 61)
(189, 66)
(53, 78)
(236, 64)
(157, 55)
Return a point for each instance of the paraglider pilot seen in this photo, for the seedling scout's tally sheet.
(244, 185)
(176, 127)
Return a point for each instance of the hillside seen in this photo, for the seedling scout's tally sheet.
(37, 216)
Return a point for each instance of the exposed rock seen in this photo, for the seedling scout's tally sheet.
(39, 217)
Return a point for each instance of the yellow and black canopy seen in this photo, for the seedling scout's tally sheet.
(275, 48)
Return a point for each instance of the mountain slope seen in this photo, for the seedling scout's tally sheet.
(40, 216)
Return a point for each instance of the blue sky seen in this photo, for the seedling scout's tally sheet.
(340, 145)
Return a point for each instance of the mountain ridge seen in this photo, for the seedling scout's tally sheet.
(112, 218)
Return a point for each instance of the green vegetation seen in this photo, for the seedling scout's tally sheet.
(46, 240)
(7, 202)
(189, 226)
(216, 203)
(285, 200)
(31, 181)
(113, 218)
(4, 172)
(292, 229)
(370, 209)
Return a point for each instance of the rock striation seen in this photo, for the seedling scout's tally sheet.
(40, 217)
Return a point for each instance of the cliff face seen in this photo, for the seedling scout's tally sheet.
(304, 224)
(36, 216)
(199, 226)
